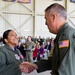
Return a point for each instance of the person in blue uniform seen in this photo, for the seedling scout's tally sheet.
(10, 57)
(62, 61)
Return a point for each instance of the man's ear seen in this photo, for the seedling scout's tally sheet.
(53, 17)
(6, 40)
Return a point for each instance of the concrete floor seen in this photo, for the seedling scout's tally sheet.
(35, 73)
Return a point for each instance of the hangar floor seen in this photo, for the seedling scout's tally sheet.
(35, 73)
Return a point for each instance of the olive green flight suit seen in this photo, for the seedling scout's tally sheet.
(9, 61)
(62, 61)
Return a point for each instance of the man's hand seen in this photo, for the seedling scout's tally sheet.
(27, 67)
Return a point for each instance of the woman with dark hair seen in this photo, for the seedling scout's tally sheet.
(10, 57)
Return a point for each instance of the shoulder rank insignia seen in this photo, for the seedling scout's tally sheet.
(64, 43)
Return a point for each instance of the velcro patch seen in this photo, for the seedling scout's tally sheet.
(64, 43)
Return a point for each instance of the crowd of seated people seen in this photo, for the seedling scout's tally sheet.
(43, 47)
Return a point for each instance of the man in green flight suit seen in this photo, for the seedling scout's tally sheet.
(62, 61)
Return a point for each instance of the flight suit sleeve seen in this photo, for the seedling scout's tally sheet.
(44, 65)
(63, 47)
(67, 55)
(8, 69)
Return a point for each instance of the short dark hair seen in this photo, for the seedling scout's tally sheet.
(5, 35)
(59, 9)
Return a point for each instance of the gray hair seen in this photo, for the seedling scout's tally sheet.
(57, 8)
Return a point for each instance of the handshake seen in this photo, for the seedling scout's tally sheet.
(27, 67)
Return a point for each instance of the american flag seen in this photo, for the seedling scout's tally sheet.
(64, 43)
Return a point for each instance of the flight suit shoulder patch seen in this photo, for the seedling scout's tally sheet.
(64, 43)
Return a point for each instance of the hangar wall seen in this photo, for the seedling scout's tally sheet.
(28, 19)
